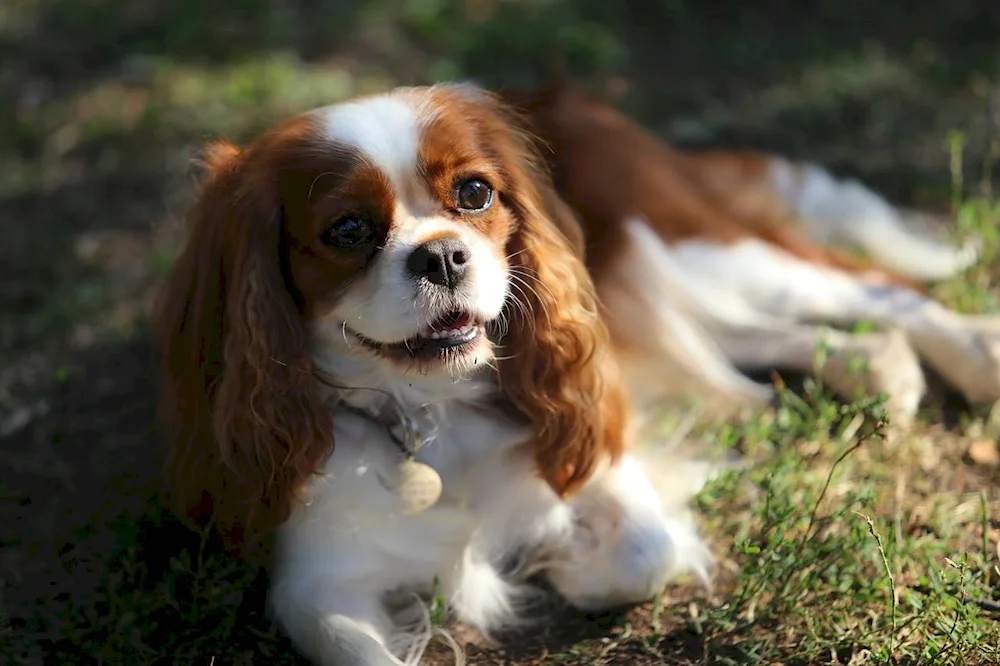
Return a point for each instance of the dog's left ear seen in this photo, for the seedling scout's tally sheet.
(557, 367)
(562, 217)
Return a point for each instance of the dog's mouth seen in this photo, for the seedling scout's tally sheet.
(454, 332)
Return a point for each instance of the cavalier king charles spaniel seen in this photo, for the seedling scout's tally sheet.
(381, 344)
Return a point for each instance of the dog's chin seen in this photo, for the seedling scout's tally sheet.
(455, 344)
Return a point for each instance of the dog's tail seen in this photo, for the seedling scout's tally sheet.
(832, 212)
(845, 212)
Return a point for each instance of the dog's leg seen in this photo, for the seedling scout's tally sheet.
(626, 543)
(663, 349)
(854, 365)
(347, 546)
(617, 541)
(671, 357)
(333, 626)
(518, 514)
(964, 350)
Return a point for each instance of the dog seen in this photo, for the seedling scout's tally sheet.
(412, 334)
(709, 263)
(382, 346)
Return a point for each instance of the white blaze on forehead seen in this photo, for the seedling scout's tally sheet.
(384, 128)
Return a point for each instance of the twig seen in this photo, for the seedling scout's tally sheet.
(892, 582)
(826, 486)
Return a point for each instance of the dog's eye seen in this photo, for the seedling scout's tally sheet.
(474, 195)
(349, 232)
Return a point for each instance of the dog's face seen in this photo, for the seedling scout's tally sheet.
(412, 232)
(398, 228)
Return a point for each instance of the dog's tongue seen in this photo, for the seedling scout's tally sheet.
(454, 321)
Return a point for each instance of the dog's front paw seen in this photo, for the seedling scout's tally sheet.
(614, 560)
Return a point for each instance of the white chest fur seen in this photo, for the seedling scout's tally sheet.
(351, 510)
(351, 544)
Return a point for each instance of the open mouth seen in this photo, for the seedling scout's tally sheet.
(451, 332)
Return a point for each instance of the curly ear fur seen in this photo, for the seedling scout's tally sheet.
(557, 368)
(246, 428)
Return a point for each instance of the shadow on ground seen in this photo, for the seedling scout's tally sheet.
(102, 106)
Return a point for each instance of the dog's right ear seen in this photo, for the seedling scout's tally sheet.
(245, 426)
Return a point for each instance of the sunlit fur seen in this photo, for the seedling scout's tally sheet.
(729, 259)
(262, 330)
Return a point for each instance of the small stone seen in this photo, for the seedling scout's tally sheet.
(984, 452)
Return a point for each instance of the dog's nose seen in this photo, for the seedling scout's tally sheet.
(441, 261)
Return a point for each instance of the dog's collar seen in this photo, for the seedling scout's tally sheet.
(401, 428)
(416, 485)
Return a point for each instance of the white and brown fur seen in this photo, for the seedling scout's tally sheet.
(274, 339)
(713, 261)
(285, 339)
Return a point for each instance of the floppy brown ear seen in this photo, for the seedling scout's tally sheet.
(557, 367)
(565, 221)
(245, 426)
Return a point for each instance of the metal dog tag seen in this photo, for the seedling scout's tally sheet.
(418, 486)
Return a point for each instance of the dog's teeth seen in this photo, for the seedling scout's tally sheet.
(462, 332)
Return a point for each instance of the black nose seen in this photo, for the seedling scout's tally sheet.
(441, 261)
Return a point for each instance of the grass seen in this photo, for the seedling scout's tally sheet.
(841, 541)
(852, 579)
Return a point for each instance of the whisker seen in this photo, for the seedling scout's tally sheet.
(316, 180)
(533, 275)
(514, 254)
(503, 324)
(324, 378)
(517, 295)
(521, 280)
(522, 308)
(526, 308)
(521, 285)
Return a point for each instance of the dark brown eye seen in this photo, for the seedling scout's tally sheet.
(474, 195)
(349, 232)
